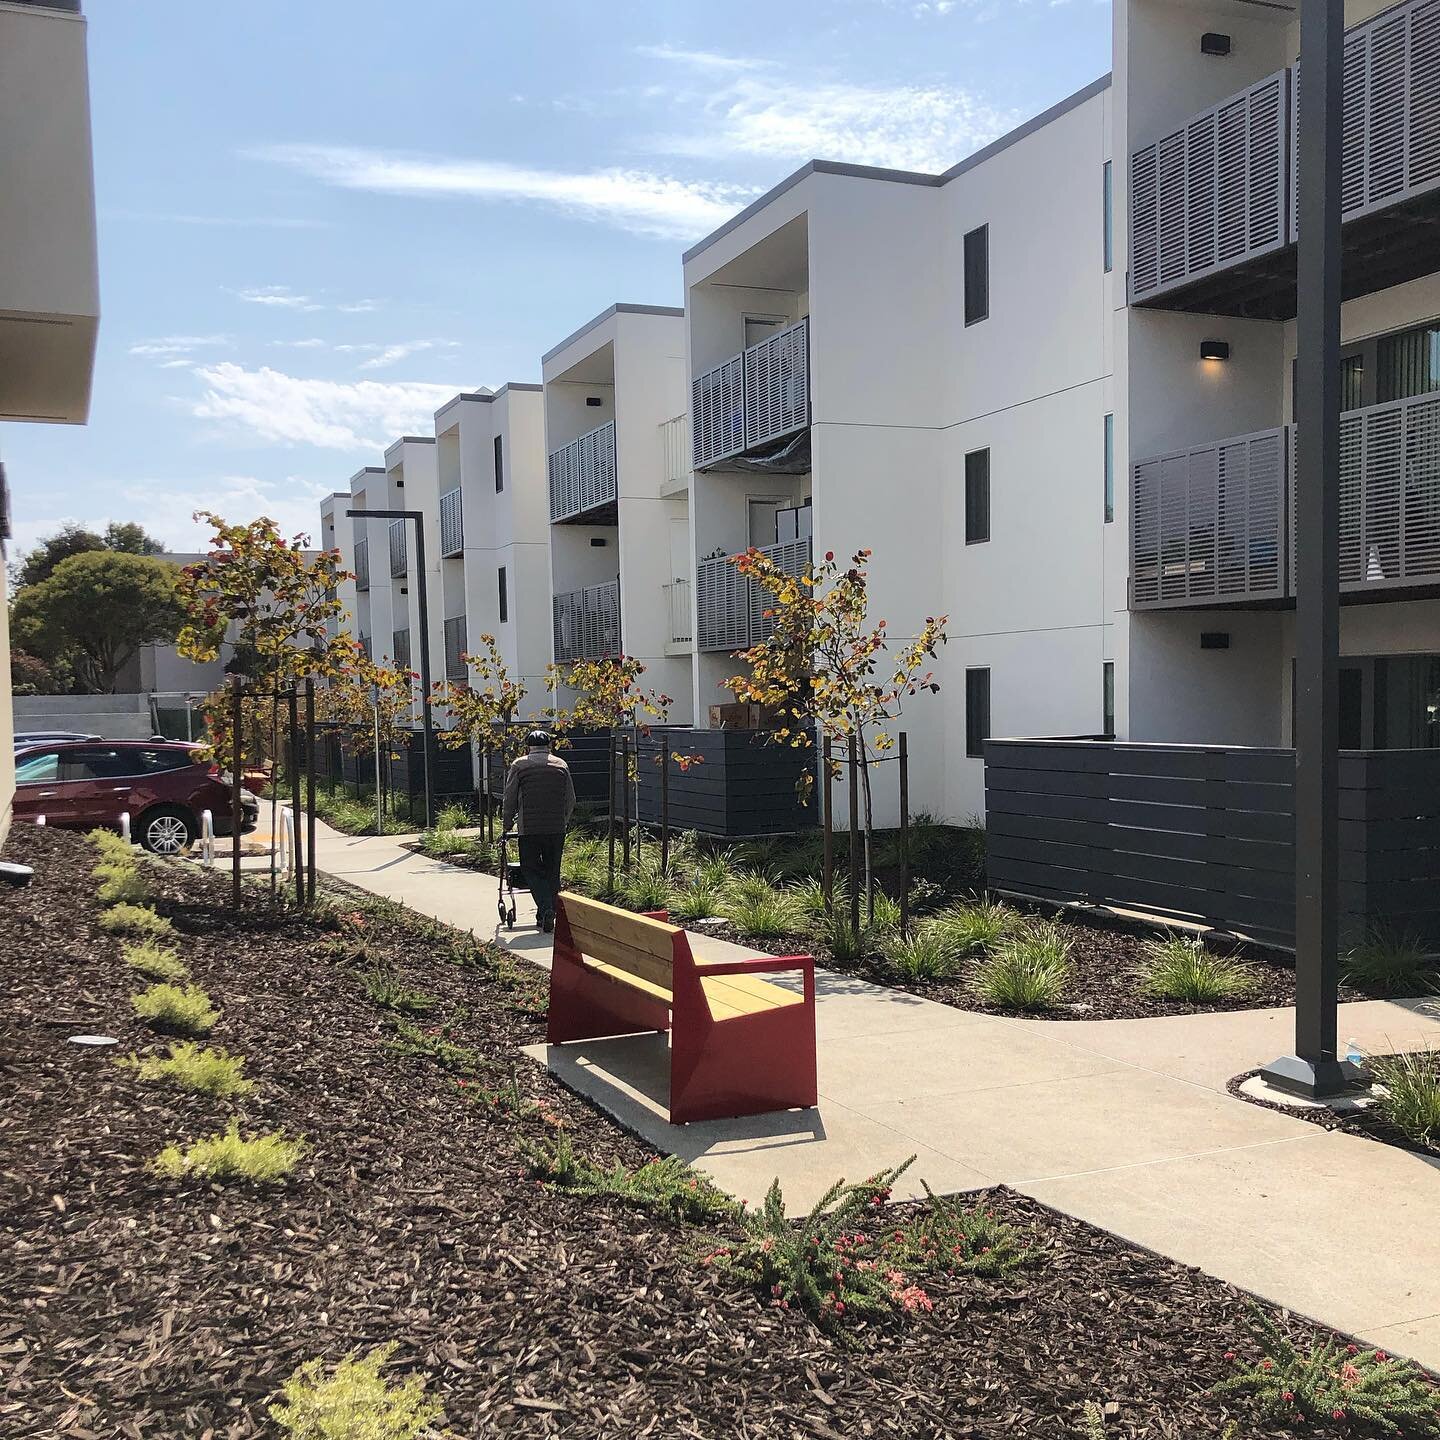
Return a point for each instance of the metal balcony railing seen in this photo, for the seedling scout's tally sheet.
(675, 438)
(455, 645)
(587, 623)
(399, 549)
(1216, 523)
(400, 648)
(582, 474)
(362, 564)
(759, 395)
(729, 609)
(677, 606)
(452, 525)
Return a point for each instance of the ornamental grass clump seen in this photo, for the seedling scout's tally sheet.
(154, 962)
(924, 956)
(695, 899)
(254, 1159)
(176, 1009)
(137, 920)
(761, 910)
(1184, 970)
(1332, 1381)
(643, 887)
(949, 1235)
(196, 1069)
(1030, 972)
(977, 928)
(1411, 1098)
(664, 1185)
(355, 1402)
(1390, 962)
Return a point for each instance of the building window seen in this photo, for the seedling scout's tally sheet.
(499, 465)
(977, 275)
(504, 598)
(977, 712)
(1107, 689)
(1109, 221)
(1109, 468)
(977, 497)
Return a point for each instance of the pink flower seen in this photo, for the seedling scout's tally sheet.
(913, 1298)
(839, 1307)
(1337, 1413)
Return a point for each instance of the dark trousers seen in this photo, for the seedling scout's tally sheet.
(540, 864)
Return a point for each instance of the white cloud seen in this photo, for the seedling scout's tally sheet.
(313, 343)
(280, 297)
(334, 415)
(166, 509)
(358, 307)
(702, 59)
(634, 200)
(167, 347)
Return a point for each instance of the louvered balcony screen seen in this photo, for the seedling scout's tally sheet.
(400, 649)
(1213, 192)
(1207, 524)
(582, 474)
(717, 412)
(777, 385)
(730, 610)
(398, 549)
(362, 564)
(587, 623)
(452, 524)
(455, 645)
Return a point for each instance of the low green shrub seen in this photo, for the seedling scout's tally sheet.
(642, 887)
(1412, 1099)
(355, 1402)
(1184, 970)
(123, 887)
(1029, 972)
(1390, 962)
(763, 911)
(886, 913)
(384, 989)
(949, 1235)
(111, 845)
(847, 945)
(154, 962)
(1330, 1381)
(434, 1043)
(924, 956)
(176, 1009)
(447, 844)
(454, 816)
(977, 928)
(256, 1159)
(666, 1186)
(195, 1068)
(526, 986)
(695, 899)
(137, 920)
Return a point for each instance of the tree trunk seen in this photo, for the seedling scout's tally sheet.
(864, 758)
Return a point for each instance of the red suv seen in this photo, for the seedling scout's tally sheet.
(164, 788)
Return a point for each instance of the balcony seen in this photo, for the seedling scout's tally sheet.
(452, 525)
(1213, 203)
(583, 479)
(753, 399)
(730, 610)
(587, 623)
(399, 549)
(677, 607)
(362, 564)
(455, 646)
(675, 440)
(400, 649)
(1215, 524)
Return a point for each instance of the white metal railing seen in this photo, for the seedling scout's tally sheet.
(362, 564)
(455, 643)
(207, 839)
(398, 549)
(729, 609)
(717, 412)
(452, 525)
(759, 395)
(675, 438)
(677, 604)
(587, 623)
(582, 474)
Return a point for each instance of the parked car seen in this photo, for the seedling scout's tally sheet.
(163, 787)
(39, 737)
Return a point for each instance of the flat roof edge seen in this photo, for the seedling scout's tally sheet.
(1029, 127)
(609, 313)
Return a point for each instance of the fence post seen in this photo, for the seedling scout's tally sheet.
(625, 800)
(665, 809)
(610, 805)
(854, 840)
(904, 838)
(310, 789)
(298, 857)
(207, 839)
(236, 772)
(827, 823)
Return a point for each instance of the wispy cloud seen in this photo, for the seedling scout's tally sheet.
(228, 222)
(634, 200)
(311, 343)
(702, 59)
(171, 347)
(334, 415)
(279, 297)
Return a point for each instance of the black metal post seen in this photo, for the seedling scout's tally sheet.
(664, 808)
(904, 838)
(610, 808)
(310, 790)
(297, 858)
(237, 770)
(625, 801)
(1316, 1069)
(854, 840)
(827, 826)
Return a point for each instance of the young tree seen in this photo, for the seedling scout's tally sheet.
(483, 710)
(96, 610)
(825, 664)
(369, 702)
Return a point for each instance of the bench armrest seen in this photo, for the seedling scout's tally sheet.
(760, 965)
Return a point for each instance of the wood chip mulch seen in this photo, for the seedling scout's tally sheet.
(145, 1308)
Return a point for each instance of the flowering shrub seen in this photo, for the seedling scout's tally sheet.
(1333, 1382)
(950, 1236)
(355, 1403)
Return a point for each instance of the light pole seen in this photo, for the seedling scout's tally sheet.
(426, 726)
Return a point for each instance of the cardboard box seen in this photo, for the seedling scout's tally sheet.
(734, 717)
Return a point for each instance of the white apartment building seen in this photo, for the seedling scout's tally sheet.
(1073, 441)
(620, 543)
(49, 280)
(369, 541)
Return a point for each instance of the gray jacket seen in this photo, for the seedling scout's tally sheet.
(539, 795)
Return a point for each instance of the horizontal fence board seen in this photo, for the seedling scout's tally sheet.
(1247, 824)
(1275, 767)
(1148, 789)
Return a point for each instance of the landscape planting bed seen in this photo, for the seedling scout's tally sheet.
(145, 1307)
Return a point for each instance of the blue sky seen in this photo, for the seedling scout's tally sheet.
(319, 220)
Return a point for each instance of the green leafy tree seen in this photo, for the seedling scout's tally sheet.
(131, 539)
(124, 536)
(96, 610)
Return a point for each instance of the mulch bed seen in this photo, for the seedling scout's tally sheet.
(139, 1307)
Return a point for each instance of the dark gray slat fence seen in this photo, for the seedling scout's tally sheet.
(585, 753)
(1206, 834)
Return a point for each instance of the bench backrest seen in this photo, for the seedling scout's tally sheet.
(637, 944)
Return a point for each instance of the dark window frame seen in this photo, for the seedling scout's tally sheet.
(499, 465)
(1107, 699)
(1109, 443)
(502, 584)
(977, 709)
(977, 485)
(976, 270)
(1108, 222)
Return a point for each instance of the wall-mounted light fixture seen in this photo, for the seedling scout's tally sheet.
(1212, 42)
(594, 401)
(1214, 639)
(1214, 349)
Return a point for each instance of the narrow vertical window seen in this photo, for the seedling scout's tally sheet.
(1109, 220)
(1107, 688)
(1109, 468)
(977, 497)
(977, 712)
(977, 275)
(499, 465)
(504, 598)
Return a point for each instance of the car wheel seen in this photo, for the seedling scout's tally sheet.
(166, 831)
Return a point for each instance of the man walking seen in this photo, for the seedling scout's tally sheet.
(539, 800)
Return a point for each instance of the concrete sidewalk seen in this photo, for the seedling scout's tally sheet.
(1124, 1123)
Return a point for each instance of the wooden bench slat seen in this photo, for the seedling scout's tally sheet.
(621, 955)
(748, 991)
(636, 982)
(639, 932)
